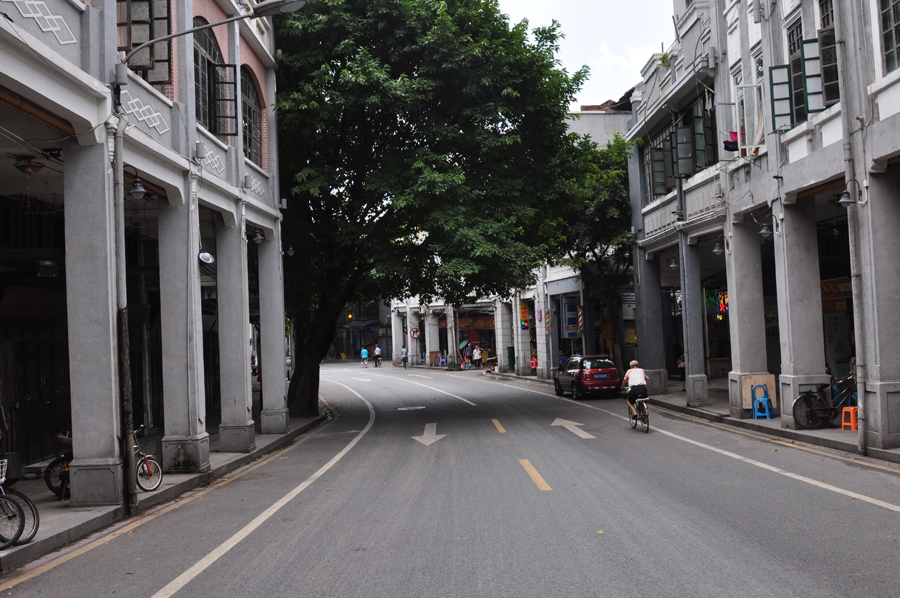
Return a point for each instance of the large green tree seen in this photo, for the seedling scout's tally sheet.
(425, 150)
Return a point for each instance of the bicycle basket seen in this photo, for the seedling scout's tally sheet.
(13, 467)
(2, 470)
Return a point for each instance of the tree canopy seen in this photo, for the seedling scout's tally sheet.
(425, 148)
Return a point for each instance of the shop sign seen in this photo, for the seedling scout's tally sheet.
(523, 310)
(570, 321)
(486, 323)
(831, 307)
(836, 288)
(630, 334)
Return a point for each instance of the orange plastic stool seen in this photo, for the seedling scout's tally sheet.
(849, 422)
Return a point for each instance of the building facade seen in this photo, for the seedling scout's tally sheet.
(758, 128)
(196, 258)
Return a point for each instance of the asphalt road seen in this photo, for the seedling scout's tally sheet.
(503, 503)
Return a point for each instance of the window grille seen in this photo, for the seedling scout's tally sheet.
(795, 52)
(252, 117)
(215, 85)
(890, 33)
(137, 22)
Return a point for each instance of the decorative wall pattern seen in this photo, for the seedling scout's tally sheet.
(214, 162)
(46, 20)
(256, 186)
(143, 112)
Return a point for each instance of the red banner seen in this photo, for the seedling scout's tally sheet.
(486, 323)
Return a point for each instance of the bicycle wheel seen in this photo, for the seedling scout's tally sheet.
(12, 522)
(148, 475)
(32, 519)
(645, 417)
(801, 410)
(631, 417)
(55, 474)
(820, 412)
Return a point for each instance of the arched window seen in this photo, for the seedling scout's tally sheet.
(252, 113)
(206, 56)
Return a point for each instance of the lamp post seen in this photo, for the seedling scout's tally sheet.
(263, 9)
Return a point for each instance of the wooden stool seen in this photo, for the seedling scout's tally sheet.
(848, 418)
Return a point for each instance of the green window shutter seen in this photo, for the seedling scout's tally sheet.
(684, 152)
(814, 89)
(780, 83)
(658, 170)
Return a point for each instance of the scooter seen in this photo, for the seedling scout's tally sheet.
(56, 474)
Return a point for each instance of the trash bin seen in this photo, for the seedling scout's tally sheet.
(511, 356)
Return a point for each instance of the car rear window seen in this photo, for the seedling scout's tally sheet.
(597, 364)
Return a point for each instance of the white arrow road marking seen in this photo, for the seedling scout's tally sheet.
(571, 427)
(430, 436)
(420, 376)
(362, 379)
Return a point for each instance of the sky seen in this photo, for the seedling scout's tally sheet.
(615, 38)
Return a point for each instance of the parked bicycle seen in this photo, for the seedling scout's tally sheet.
(56, 474)
(12, 517)
(643, 414)
(812, 410)
(149, 473)
(29, 509)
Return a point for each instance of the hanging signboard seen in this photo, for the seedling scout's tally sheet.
(569, 324)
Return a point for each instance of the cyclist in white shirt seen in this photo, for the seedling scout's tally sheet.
(636, 382)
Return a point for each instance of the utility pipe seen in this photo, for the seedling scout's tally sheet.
(852, 226)
(124, 357)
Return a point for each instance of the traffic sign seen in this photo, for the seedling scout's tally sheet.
(414, 332)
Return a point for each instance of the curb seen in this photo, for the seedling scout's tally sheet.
(38, 548)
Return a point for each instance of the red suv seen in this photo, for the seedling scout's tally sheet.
(583, 375)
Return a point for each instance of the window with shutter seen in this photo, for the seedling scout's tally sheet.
(781, 94)
(795, 53)
(814, 90)
(224, 88)
(137, 22)
(251, 109)
(890, 34)
(684, 152)
(828, 56)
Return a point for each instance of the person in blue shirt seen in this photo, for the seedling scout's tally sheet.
(365, 358)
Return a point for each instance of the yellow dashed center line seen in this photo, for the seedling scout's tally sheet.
(541, 484)
(499, 427)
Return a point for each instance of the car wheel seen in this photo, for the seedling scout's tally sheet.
(557, 388)
(576, 394)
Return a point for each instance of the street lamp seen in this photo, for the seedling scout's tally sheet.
(846, 199)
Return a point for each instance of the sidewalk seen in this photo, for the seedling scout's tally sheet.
(718, 411)
(61, 524)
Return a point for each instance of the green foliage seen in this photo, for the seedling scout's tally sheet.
(425, 148)
(598, 239)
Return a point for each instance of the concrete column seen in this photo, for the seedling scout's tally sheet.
(545, 357)
(237, 431)
(799, 303)
(96, 472)
(185, 443)
(879, 220)
(587, 333)
(398, 337)
(743, 266)
(650, 319)
(692, 323)
(523, 341)
(432, 330)
(503, 332)
(553, 308)
(271, 320)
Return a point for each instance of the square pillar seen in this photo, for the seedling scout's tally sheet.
(237, 430)
(522, 341)
(546, 361)
(503, 332)
(552, 316)
(271, 321)
(799, 303)
(693, 325)
(96, 473)
(398, 336)
(649, 321)
(743, 266)
(432, 332)
(185, 442)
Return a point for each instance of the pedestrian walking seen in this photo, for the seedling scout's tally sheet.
(534, 366)
(377, 355)
(404, 355)
(365, 358)
(476, 358)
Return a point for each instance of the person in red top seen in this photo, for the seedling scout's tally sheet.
(534, 366)
(636, 382)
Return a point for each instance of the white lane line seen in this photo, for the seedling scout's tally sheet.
(420, 376)
(772, 468)
(430, 388)
(360, 379)
(183, 579)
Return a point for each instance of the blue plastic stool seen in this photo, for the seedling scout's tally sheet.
(762, 406)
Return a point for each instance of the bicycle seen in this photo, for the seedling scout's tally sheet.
(148, 473)
(29, 509)
(643, 414)
(56, 474)
(12, 517)
(812, 410)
